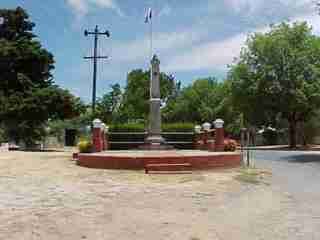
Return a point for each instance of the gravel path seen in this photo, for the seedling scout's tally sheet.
(46, 196)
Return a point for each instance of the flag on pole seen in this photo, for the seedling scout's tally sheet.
(148, 15)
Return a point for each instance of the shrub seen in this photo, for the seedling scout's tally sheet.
(85, 146)
(230, 145)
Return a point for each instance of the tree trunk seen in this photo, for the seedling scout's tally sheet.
(293, 133)
(303, 135)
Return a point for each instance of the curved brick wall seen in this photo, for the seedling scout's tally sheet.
(132, 162)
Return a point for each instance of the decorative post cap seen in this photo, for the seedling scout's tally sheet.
(155, 60)
(206, 126)
(197, 129)
(97, 123)
(218, 123)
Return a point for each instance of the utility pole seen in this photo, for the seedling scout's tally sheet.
(95, 58)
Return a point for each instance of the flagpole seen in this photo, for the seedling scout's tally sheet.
(150, 17)
(151, 35)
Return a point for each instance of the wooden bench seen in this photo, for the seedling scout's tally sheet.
(168, 167)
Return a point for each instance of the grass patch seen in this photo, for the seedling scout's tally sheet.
(252, 176)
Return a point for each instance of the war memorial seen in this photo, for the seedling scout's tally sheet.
(155, 154)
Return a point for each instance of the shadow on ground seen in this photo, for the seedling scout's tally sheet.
(40, 151)
(303, 158)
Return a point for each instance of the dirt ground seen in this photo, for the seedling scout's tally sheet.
(47, 196)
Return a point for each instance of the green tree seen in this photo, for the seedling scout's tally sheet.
(310, 129)
(108, 106)
(195, 103)
(28, 96)
(277, 76)
(135, 102)
(205, 100)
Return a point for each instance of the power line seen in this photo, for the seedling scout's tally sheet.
(95, 58)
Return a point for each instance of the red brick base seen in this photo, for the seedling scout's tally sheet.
(134, 162)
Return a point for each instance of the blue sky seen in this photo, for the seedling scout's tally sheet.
(193, 38)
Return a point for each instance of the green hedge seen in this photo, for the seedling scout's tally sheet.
(127, 127)
(129, 137)
(178, 127)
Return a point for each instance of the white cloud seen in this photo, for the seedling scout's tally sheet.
(162, 43)
(256, 7)
(165, 11)
(297, 2)
(247, 5)
(79, 6)
(103, 3)
(208, 56)
(108, 4)
(219, 54)
(83, 7)
(184, 50)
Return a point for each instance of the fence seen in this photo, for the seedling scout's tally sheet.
(131, 140)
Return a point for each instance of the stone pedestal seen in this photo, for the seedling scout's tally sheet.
(154, 139)
(154, 134)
